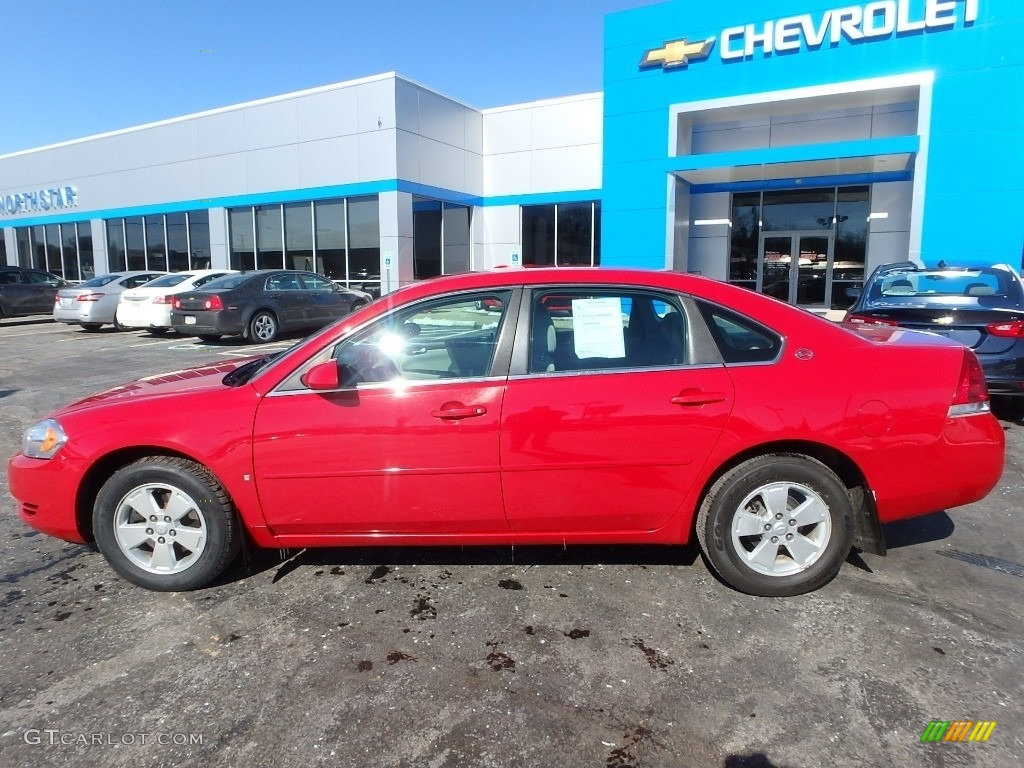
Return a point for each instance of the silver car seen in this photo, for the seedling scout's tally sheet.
(93, 304)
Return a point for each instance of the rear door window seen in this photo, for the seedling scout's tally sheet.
(740, 339)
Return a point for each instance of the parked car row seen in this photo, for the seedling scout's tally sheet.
(208, 303)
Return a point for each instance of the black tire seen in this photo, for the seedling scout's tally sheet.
(91, 327)
(759, 562)
(357, 305)
(157, 331)
(118, 326)
(263, 327)
(209, 337)
(170, 555)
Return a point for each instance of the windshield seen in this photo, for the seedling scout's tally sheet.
(243, 373)
(168, 280)
(961, 287)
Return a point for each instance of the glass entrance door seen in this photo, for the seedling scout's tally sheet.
(796, 267)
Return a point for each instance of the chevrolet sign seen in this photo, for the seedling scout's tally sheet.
(856, 23)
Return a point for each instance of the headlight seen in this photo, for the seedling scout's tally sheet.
(43, 440)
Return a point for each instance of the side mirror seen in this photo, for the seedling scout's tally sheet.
(854, 292)
(322, 377)
(410, 330)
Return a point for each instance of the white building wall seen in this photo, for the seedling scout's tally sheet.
(544, 146)
(338, 134)
(501, 235)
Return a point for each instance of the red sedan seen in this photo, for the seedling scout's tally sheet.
(655, 408)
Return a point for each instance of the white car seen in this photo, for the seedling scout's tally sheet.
(149, 306)
(93, 304)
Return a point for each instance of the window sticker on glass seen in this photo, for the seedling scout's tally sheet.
(597, 328)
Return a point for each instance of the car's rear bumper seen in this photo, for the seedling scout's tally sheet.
(46, 492)
(223, 323)
(961, 467)
(143, 316)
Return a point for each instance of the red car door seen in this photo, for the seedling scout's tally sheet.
(608, 428)
(407, 446)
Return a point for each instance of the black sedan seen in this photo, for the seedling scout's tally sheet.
(262, 304)
(27, 291)
(980, 307)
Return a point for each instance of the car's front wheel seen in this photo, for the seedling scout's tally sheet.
(777, 525)
(263, 327)
(165, 523)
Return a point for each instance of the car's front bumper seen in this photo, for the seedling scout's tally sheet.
(46, 493)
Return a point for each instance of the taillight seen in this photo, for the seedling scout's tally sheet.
(867, 320)
(89, 297)
(213, 303)
(1014, 329)
(162, 300)
(971, 394)
(176, 303)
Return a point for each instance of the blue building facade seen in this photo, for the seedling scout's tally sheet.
(792, 152)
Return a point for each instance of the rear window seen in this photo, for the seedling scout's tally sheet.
(168, 280)
(227, 283)
(100, 281)
(990, 287)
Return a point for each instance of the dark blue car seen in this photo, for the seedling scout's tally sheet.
(981, 307)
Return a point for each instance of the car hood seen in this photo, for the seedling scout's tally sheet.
(187, 380)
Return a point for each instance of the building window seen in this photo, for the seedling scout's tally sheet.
(330, 238)
(199, 240)
(177, 242)
(441, 237)
(363, 217)
(63, 249)
(338, 238)
(298, 236)
(172, 242)
(562, 235)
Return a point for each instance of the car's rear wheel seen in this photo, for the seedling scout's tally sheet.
(263, 327)
(776, 525)
(208, 337)
(91, 327)
(166, 524)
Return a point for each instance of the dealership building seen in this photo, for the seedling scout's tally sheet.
(786, 147)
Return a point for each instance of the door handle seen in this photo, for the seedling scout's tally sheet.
(697, 397)
(454, 411)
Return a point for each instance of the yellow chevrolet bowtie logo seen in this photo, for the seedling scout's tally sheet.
(677, 53)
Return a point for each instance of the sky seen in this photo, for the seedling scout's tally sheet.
(75, 68)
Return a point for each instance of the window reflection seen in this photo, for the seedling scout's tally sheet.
(563, 235)
(825, 266)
